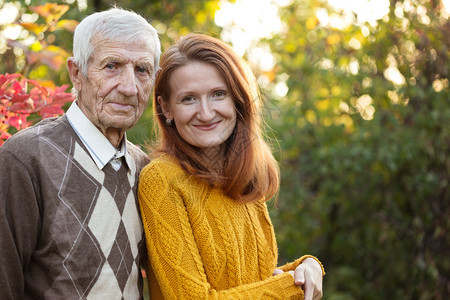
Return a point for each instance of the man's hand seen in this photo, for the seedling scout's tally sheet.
(308, 275)
(277, 272)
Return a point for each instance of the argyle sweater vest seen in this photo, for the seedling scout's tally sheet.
(72, 231)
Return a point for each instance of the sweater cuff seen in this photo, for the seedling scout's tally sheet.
(291, 266)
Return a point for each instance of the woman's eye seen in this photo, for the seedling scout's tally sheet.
(110, 66)
(219, 94)
(188, 99)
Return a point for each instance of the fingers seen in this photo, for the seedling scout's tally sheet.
(309, 277)
(299, 275)
(299, 279)
(277, 272)
(309, 291)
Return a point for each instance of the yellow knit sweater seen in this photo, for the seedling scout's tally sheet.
(204, 245)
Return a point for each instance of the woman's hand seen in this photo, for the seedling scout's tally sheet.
(308, 275)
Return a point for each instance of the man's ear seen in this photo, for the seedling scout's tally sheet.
(165, 108)
(74, 73)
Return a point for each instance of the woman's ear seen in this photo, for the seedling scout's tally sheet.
(164, 108)
(74, 73)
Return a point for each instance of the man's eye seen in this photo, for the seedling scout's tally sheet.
(110, 66)
(141, 69)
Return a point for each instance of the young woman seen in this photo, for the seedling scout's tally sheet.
(203, 196)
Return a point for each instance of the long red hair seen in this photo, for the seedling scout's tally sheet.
(250, 172)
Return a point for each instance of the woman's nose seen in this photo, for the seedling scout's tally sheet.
(205, 111)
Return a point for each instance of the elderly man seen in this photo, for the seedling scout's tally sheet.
(69, 221)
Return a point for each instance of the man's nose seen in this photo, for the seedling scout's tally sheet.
(127, 84)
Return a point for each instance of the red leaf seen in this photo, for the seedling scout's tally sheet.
(6, 79)
(21, 107)
(51, 111)
(16, 104)
(19, 98)
(4, 136)
(51, 105)
(19, 121)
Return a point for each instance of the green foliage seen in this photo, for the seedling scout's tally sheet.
(365, 162)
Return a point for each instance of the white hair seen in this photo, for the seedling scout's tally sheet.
(115, 24)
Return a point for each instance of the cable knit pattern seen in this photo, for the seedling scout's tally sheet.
(204, 245)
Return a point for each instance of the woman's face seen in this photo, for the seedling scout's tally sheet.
(200, 105)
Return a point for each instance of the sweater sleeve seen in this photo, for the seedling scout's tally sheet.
(175, 259)
(292, 265)
(19, 224)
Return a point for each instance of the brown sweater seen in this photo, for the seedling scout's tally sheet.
(68, 230)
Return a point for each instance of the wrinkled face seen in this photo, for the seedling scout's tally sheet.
(117, 89)
(200, 105)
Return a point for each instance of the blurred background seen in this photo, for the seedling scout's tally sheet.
(357, 111)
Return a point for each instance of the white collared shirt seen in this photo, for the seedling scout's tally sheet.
(100, 149)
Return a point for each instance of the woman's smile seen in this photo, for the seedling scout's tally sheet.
(207, 127)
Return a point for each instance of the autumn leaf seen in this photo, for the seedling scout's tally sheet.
(47, 83)
(15, 93)
(16, 103)
(19, 121)
(68, 25)
(51, 105)
(6, 79)
(52, 56)
(38, 89)
(22, 107)
(33, 27)
(51, 111)
(52, 12)
(4, 135)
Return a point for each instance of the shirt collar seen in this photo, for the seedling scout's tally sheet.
(97, 144)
